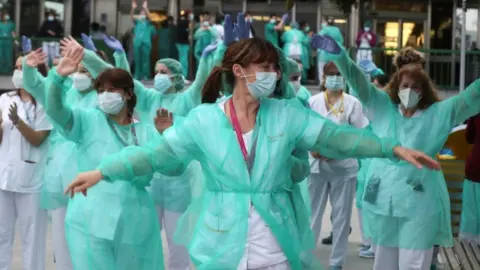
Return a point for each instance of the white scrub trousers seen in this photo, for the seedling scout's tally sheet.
(178, 258)
(391, 258)
(341, 193)
(32, 221)
(60, 247)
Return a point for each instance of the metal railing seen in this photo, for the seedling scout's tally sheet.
(443, 66)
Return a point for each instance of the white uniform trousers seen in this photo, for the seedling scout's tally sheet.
(60, 246)
(32, 221)
(391, 258)
(178, 258)
(341, 193)
(280, 266)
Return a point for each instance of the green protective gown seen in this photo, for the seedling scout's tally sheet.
(271, 34)
(60, 162)
(297, 44)
(304, 94)
(215, 228)
(164, 189)
(203, 38)
(6, 46)
(183, 50)
(115, 226)
(142, 46)
(333, 32)
(410, 207)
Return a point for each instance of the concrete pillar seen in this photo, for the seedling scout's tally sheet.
(453, 59)
(319, 15)
(173, 10)
(294, 13)
(67, 16)
(16, 16)
(244, 6)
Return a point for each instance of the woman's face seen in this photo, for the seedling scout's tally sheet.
(408, 82)
(250, 71)
(107, 87)
(82, 70)
(162, 69)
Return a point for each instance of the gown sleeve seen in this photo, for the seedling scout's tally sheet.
(34, 83)
(121, 61)
(301, 166)
(195, 89)
(462, 106)
(94, 64)
(166, 155)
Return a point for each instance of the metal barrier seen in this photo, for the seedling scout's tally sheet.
(443, 66)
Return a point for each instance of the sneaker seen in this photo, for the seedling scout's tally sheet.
(335, 267)
(328, 240)
(364, 248)
(367, 254)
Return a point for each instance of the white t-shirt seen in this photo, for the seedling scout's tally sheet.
(219, 31)
(261, 248)
(352, 115)
(19, 159)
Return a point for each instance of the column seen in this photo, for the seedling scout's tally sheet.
(400, 34)
(427, 35)
(453, 59)
(319, 15)
(16, 16)
(244, 6)
(294, 13)
(67, 16)
(173, 10)
(463, 46)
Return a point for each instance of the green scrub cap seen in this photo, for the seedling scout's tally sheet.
(293, 66)
(176, 69)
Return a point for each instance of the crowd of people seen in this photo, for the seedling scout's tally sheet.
(235, 167)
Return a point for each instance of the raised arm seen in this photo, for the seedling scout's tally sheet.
(33, 81)
(464, 105)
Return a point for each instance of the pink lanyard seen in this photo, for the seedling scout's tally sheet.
(238, 131)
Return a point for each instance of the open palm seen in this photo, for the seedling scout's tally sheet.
(35, 58)
(71, 60)
(163, 120)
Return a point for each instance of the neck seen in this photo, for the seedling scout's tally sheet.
(408, 112)
(245, 105)
(24, 95)
(122, 118)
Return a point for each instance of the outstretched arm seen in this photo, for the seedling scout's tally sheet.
(33, 81)
(464, 105)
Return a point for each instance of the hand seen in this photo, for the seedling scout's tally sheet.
(83, 182)
(134, 4)
(416, 158)
(26, 45)
(242, 28)
(369, 37)
(228, 31)
(51, 33)
(13, 113)
(35, 58)
(284, 17)
(71, 60)
(68, 43)
(367, 65)
(163, 120)
(113, 44)
(326, 44)
(145, 5)
(88, 43)
(210, 48)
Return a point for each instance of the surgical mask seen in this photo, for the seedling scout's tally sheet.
(191, 17)
(324, 24)
(110, 102)
(408, 97)
(205, 23)
(272, 21)
(162, 83)
(307, 28)
(334, 83)
(250, 20)
(142, 16)
(17, 79)
(296, 85)
(263, 86)
(50, 18)
(366, 29)
(7, 17)
(81, 81)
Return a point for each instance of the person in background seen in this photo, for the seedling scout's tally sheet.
(272, 28)
(249, 18)
(96, 33)
(182, 41)
(330, 29)
(164, 38)
(218, 27)
(204, 36)
(305, 27)
(7, 34)
(51, 28)
(142, 40)
(24, 127)
(302, 93)
(366, 40)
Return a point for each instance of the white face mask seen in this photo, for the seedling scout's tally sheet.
(110, 102)
(366, 29)
(263, 86)
(162, 82)
(81, 82)
(51, 18)
(273, 21)
(334, 83)
(408, 97)
(17, 79)
(206, 23)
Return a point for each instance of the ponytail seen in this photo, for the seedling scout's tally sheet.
(212, 87)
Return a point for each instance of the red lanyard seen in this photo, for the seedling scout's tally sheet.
(238, 131)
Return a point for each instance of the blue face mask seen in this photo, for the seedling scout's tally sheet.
(334, 83)
(273, 21)
(50, 18)
(205, 23)
(162, 83)
(263, 86)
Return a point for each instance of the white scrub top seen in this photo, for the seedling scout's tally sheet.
(18, 158)
(261, 248)
(348, 113)
(219, 32)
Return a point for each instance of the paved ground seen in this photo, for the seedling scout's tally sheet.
(323, 252)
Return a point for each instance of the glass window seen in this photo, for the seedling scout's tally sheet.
(29, 17)
(403, 6)
(81, 17)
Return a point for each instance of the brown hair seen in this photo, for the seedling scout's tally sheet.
(245, 52)
(407, 56)
(102, 55)
(118, 78)
(429, 94)
(329, 68)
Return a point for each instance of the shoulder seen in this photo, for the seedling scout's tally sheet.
(319, 97)
(351, 99)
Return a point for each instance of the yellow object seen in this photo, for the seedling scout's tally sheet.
(457, 143)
